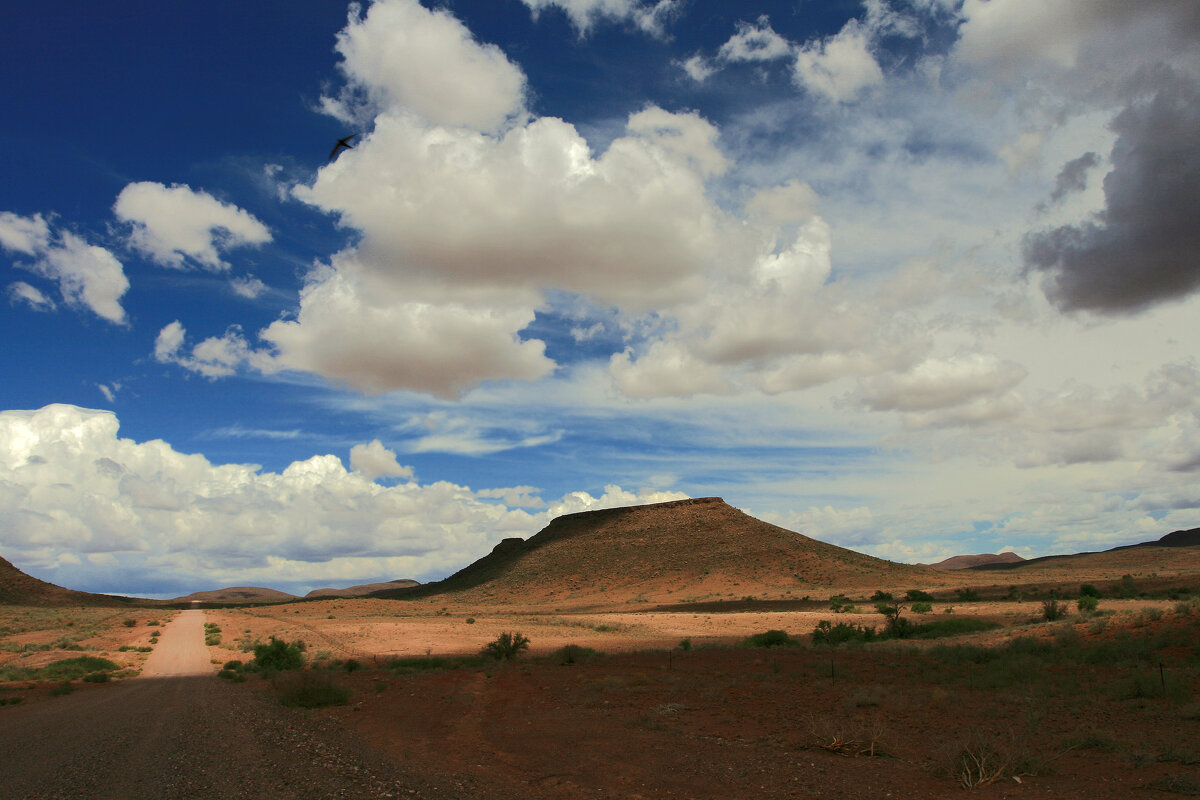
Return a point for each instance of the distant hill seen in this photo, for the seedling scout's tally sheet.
(363, 589)
(680, 551)
(971, 562)
(237, 594)
(1188, 538)
(19, 589)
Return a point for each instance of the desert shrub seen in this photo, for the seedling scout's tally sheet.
(151, 623)
(916, 595)
(840, 604)
(506, 646)
(1187, 607)
(246, 645)
(309, 689)
(96, 677)
(279, 655)
(470, 620)
(828, 633)
(63, 688)
(573, 653)
(1088, 590)
(427, 663)
(1053, 610)
(771, 638)
(212, 639)
(352, 665)
(881, 596)
(985, 760)
(939, 628)
(232, 675)
(922, 607)
(967, 595)
(1087, 604)
(212, 627)
(1126, 588)
(129, 623)
(234, 665)
(71, 668)
(685, 644)
(1149, 684)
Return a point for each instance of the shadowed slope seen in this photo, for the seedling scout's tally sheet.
(685, 550)
(19, 589)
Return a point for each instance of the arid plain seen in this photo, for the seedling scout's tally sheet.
(648, 673)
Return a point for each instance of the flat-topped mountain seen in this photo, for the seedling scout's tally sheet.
(363, 589)
(237, 594)
(678, 551)
(972, 561)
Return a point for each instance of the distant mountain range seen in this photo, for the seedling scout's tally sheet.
(681, 551)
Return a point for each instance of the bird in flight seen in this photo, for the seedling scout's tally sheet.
(342, 144)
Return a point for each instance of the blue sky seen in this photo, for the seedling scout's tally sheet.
(917, 277)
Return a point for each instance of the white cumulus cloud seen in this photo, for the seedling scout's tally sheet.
(73, 491)
(373, 460)
(87, 275)
(176, 226)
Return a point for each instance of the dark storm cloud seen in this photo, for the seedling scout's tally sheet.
(1144, 248)
(1073, 177)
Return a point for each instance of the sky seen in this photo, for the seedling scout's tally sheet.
(915, 277)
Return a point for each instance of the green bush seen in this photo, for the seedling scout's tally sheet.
(922, 607)
(96, 677)
(685, 644)
(129, 623)
(309, 689)
(212, 639)
(771, 638)
(1126, 589)
(840, 604)
(351, 665)
(71, 668)
(279, 655)
(232, 675)
(916, 595)
(967, 595)
(1088, 590)
(234, 665)
(1087, 603)
(938, 628)
(828, 633)
(506, 647)
(573, 653)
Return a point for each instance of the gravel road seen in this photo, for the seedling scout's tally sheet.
(180, 732)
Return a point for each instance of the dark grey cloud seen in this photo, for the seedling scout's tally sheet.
(1144, 247)
(1073, 177)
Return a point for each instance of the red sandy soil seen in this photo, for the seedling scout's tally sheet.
(724, 723)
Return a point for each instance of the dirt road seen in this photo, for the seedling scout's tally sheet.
(183, 733)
